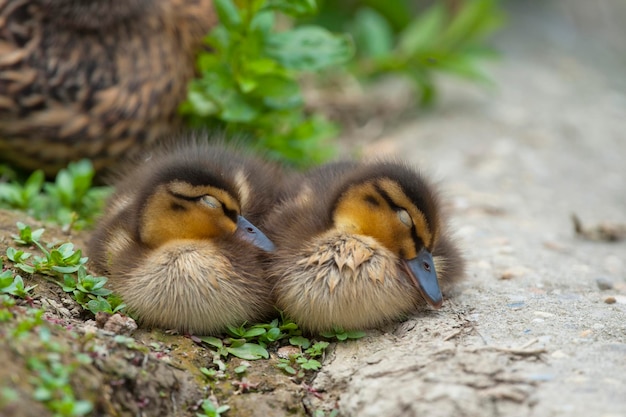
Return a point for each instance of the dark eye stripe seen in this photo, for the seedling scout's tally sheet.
(231, 214)
(185, 197)
(418, 241)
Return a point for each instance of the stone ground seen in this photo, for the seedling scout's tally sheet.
(539, 326)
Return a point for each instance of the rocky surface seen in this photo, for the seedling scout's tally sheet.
(539, 326)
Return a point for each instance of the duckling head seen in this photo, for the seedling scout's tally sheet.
(189, 204)
(389, 203)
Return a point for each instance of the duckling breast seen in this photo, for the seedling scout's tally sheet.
(341, 280)
(193, 287)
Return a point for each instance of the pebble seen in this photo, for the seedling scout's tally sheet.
(119, 324)
(514, 272)
(610, 300)
(604, 283)
(559, 354)
(543, 314)
(286, 351)
(620, 299)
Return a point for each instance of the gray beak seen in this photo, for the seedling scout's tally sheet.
(249, 232)
(422, 270)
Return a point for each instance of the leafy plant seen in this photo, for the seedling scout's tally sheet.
(71, 200)
(211, 410)
(249, 80)
(49, 375)
(66, 266)
(393, 37)
(14, 285)
(340, 334)
(236, 347)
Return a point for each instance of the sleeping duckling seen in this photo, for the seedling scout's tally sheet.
(94, 79)
(176, 246)
(359, 245)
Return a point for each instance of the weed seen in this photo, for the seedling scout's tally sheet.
(66, 266)
(391, 36)
(49, 375)
(211, 410)
(322, 413)
(341, 335)
(249, 80)
(71, 200)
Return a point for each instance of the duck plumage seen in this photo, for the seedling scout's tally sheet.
(96, 79)
(177, 239)
(358, 245)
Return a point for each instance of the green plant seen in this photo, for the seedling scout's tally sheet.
(211, 410)
(297, 364)
(322, 413)
(71, 200)
(66, 266)
(340, 334)
(393, 36)
(236, 347)
(13, 284)
(248, 83)
(49, 373)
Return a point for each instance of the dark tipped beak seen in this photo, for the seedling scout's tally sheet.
(422, 270)
(248, 232)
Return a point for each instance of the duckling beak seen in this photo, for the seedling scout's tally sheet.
(248, 232)
(422, 270)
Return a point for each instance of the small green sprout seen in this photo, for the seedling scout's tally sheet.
(341, 335)
(14, 285)
(66, 266)
(71, 200)
(211, 410)
(236, 347)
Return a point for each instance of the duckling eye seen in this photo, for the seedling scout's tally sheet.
(211, 201)
(404, 217)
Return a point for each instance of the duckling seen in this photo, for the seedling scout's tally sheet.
(96, 79)
(175, 244)
(359, 245)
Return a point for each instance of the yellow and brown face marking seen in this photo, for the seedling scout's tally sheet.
(379, 209)
(179, 210)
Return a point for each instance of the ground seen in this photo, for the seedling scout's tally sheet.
(538, 328)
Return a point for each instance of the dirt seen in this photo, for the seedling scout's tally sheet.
(538, 328)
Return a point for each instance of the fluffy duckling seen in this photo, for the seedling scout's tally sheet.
(176, 246)
(94, 79)
(358, 245)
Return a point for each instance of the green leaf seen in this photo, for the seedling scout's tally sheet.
(213, 341)
(355, 334)
(296, 8)
(424, 32)
(253, 332)
(249, 351)
(241, 369)
(309, 48)
(273, 334)
(372, 32)
(278, 92)
(228, 13)
(210, 373)
(301, 341)
(26, 268)
(311, 365)
(475, 19)
(80, 408)
(65, 269)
